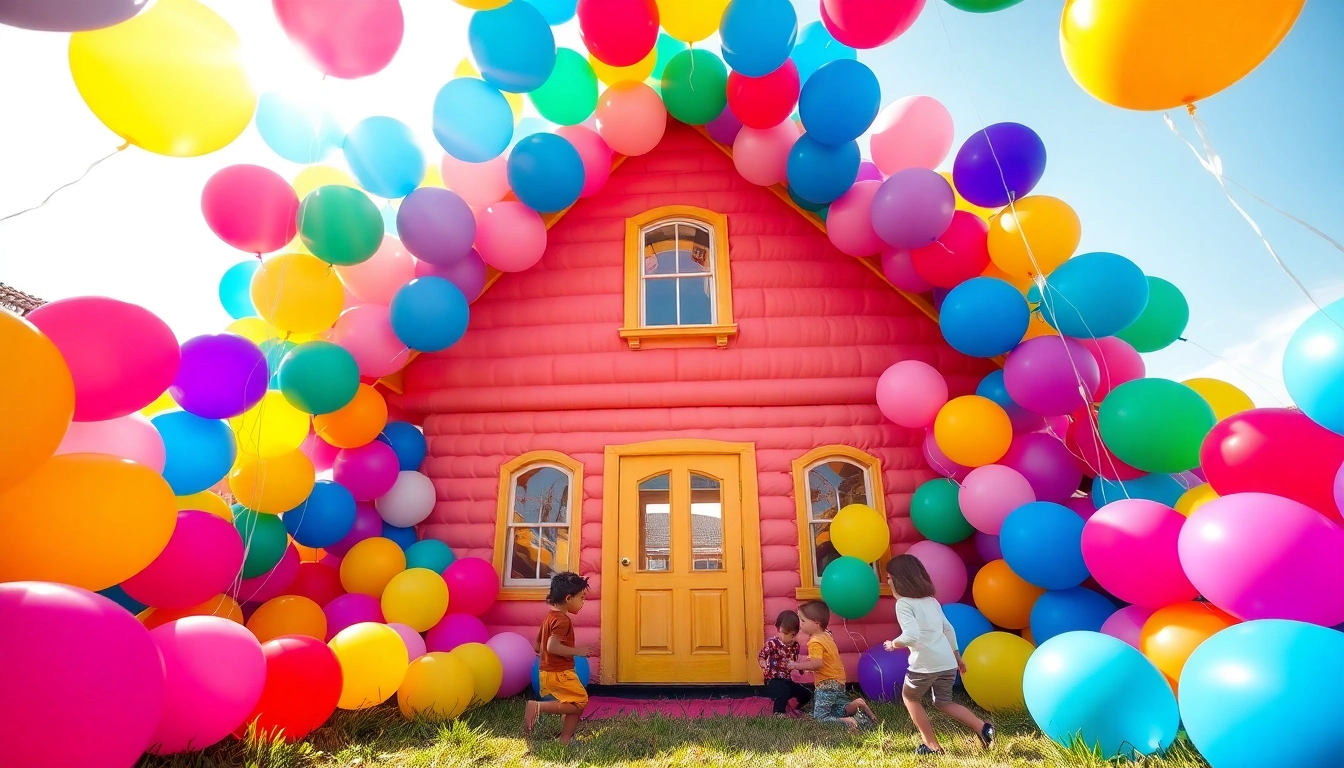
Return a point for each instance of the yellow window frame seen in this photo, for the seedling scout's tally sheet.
(872, 467)
(504, 511)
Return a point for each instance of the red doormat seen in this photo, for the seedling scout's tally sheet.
(605, 707)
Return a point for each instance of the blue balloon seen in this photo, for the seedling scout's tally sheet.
(429, 553)
(1093, 295)
(529, 126)
(384, 157)
(1163, 489)
(473, 121)
(300, 132)
(198, 452)
(513, 46)
(757, 35)
(556, 12)
(275, 351)
(324, 518)
(806, 205)
(581, 669)
(1097, 690)
(816, 47)
(1076, 609)
(1313, 367)
(840, 101)
(546, 172)
(235, 289)
(967, 622)
(1266, 682)
(984, 317)
(389, 215)
(992, 387)
(404, 537)
(409, 443)
(429, 314)
(819, 172)
(1043, 543)
(118, 595)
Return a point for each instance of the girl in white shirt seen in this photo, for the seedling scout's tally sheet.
(934, 660)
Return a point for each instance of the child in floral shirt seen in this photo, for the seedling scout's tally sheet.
(774, 658)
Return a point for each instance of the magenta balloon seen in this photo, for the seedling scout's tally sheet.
(868, 171)
(1127, 623)
(368, 471)
(415, 644)
(1130, 548)
(910, 393)
(987, 547)
(945, 567)
(515, 652)
(1082, 506)
(899, 268)
(1046, 463)
(1338, 487)
(912, 208)
(472, 586)
(271, 584)
(350, 609)
(1117, 362)
(468, 273)
(359, 40)
(990, 493)
(724, 128)
(368, 523)
(128, 437)
(455, 629)
(1043, 375)
(849, 221)
(214, 672)
(436, 225)
(82, 685)
(202, 558)
(939, 462)
(1259, 556)
(319, 451)
(220, 376)
(251, 208)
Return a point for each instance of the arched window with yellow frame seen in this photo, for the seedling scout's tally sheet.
(825, 481)
(537, 522)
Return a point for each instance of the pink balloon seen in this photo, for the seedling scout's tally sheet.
(1130, 547)
(83, 682)
(376, 281)
(515, 652)
(368, 471)
(271, 584)
(868, 23)
(899, 267)
(121, 356)
(761, 156)
(129, 437)
(351, 609)
(478, 184)
(911, 132)
(990, 493)
(1084, 441)
(319, 451)
(202, 558)
(939, 462)
(631, 118)
(1116, 360)
(510, 236)
(945, 567)
(366, 333)
(1338, 487)
(251, 208)
(468, 273)
(849, 223)
(214, 672)
(455, 629)
(1044, 375)
(472, 586)
(1127, 623)
(358, 39)
(1046, 463)
(910, 393)
(1259, 556)
(415, 644)
(594, 152)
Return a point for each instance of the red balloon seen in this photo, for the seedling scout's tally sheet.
(318, 582)
(960, 253)
(1084, 442)
(1277, 451)
(1118, 362)
(618, 32)
(349, 39)
(303, 685)
(868, 23)
(251, 208)
(764, 102)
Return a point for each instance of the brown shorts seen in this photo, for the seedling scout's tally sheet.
(919, 683)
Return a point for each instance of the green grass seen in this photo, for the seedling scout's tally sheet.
(492, 736)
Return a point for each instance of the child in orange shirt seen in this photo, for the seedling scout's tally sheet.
(823, 660)
(555, 643)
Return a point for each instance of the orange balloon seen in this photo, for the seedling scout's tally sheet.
(272, 485)
(1037, 326)
(1172, 633)
(1021, 282)
(973, 431)
(85, 519)
(222, 606)
(37, 399)
(1035, 235)
(370, 565)
(308, 554)
(1004, 597)
(358, 423)
(1026, 635)
(288, 615)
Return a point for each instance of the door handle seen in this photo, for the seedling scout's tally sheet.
(625, 561)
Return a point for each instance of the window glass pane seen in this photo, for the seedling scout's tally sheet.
(554, 552)
(834, 485)
(541, 495)
(706, 523)
(655, 525)
(823, 552)
(660, 246)
(527, 553)
(695, 303)
(660, 302)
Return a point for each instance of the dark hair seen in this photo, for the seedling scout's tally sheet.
(787, 621)
(565, 585)
(910, 577)
(816, 611)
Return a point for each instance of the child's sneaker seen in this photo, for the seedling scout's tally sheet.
(986, 735)
(923, 749)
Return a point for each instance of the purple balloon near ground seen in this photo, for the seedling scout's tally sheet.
(517, 656)
(368, 523)
(68, 15)
(1045, 461)
(724, 128)
(436, 225)
(220, 376)
(882, 673)
(868, 171)
(453, 630)
(1000, 163)
(368, 471)
(987, 547)
(1043, 375)
(468, 273)
(912, 208)
(351, 609)
(1127, 623)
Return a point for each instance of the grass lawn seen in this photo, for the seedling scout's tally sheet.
(492, 736)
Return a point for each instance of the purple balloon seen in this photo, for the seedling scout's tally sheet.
(1045, 461)
(1082, 506)
(436, 225)
(724, 128)
(868, 171)
(467, 273)
(68, 15)
(987, 546)
(912, 208)
(368, 523)
(1043, 375)
(351, 609)
(455, 629)
(1001, 163)
(368, 471)
(882, 673)
(899, 268)
(220, 377)
(939, 462)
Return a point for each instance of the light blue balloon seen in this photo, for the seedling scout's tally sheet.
(984, 317)
(1043, 543)
(581, 669)
(513, 46)
(298, 131)
(757, 36)
(529, 126)
(389, 219)
(967, 623)
(1266, 687)
(472, 120)
(118, 595)
(1093, 295)
(275, 351)
(404, 537)
(555, 12)
(429, 553)
(821, 172)
(235, 289)
(384, 157)
(1163, 489)
(815, 47)
(429, 314)
(840, 101)
(198, 452)
(1100, 691)
(1076, 609)
(546, 172)
(1313, 367)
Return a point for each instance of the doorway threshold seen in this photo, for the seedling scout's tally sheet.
(649, 692)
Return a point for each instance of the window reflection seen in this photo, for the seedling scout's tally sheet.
(678, 285)
(832, 485)
(655, 524)
(706, 523)
(539, 524)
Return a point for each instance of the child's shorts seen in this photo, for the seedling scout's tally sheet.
(564, 686)
(830, 702)
(919, 683)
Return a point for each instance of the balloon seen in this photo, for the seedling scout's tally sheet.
(235, 289)
(618, 32)
(198, 452)
(1225, 399)
(473, 585)
(429, 314)
(359, 41)
(438, 686)
(350, 609)
(415, 644)
(1084, 440)
(899, 269)
(366, 333)
(1094, 295)
(1127, 532)
(486, 670)
(869, 24)
(355, 424)
(982, 6)
(992, 387)
(1127, 624)
(129, 437)
(340, 225)
(1164, 489)
(120, 356)
(203, 703)
(1045, 375)
(303, 684)
(945, 567)
(763, 102)
(820, 173)
(416, 597)
(373, 663)
(582, 670)
(911, 132)
(383, 156)
(973, 430)
(989, 493)
(693, 86)
(910, 393)
(816, 47)
(1003, 596)
(297, 293)
(995, 664)
(1278, 451)
(409, 502)
(83, 683)
(569, 94)
(999, 164)
(368, 471)
(319, 377)
(436, 226)
(288, 615)
(170, 81)
(882, 673)
(454, 630)
(220, 606)
(859, 531)
(849, 587)
(271, 428)
(264, 540)
(516, 655)
(691, 22)
(514, 47)
(967, 623)
(370, 565)
(272, 485)
(957, 255)
(510, 236)
(299, 130)
(762, 156)
(68, 15)
(1172, 633)
(1312, 365)
(1035, 236)
(274, 582)
(594, 153)
(839, 101)
(758, 35)
(631, 118)
(201, 559)
(983, 317)
(324, 518)
(219, 377)
(1068, 610)
(1163, 319)
(546, 172)
(935, 514)
(408, 442)
(472, 122)
(912, 208)
(1042, 543)
(251, 208)
(1047, 465)
(1155, 425)
(938, 462)
(1195, 498)
(1117, 362)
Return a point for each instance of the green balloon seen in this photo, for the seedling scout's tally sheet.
(936, 512)
(695, 86)
(982, 6)
(666, 47)
(849, 586)
(264, 540)
(1155, 425)
(340, 225)
(1163, 320)
(569, 95)
(318, 377)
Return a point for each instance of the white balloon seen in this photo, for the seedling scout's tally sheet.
(409, 502)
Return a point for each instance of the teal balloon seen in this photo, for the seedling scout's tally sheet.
(384, 157)
(815, 47)
(666, 47)
(1155, 425)
(473, 121)
(569, 95)
(1163, 319)
(318, 377)
(1313, 367)
(936, 512)
(849, 587)
(300, 132)
(695, 86)
(275, 351)
(429, 553)
(118, 595)
(982, 6)
(235, 289)
(555, 12)
(1093, 295)
(264, 540)
(340, 225)
(1164, 489)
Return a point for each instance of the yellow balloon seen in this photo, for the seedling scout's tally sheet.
(1159, 54)
(972, 431)
(433, 176)
(482, 5)
(438, 686)
(487, 671)
(272, 485)
(315, 176)
(466, 69)
(357, 423)
(254, 329)
(206, 501)
(1225, 399)
(373, 661)
(1034, 236)
(170, 80)
(288, 615)
(859, 531)
(298, 293)
(219, 605)
(417, 597)
(370, 566)
(962, 204)
(995, 664)
(635, 73)
(270, 428)
(84, 519)
(691, 20)
(161, 403)
(1195, 498)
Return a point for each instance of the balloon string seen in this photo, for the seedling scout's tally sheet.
(1333, 242)
(1244, 371)
(92, 165)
